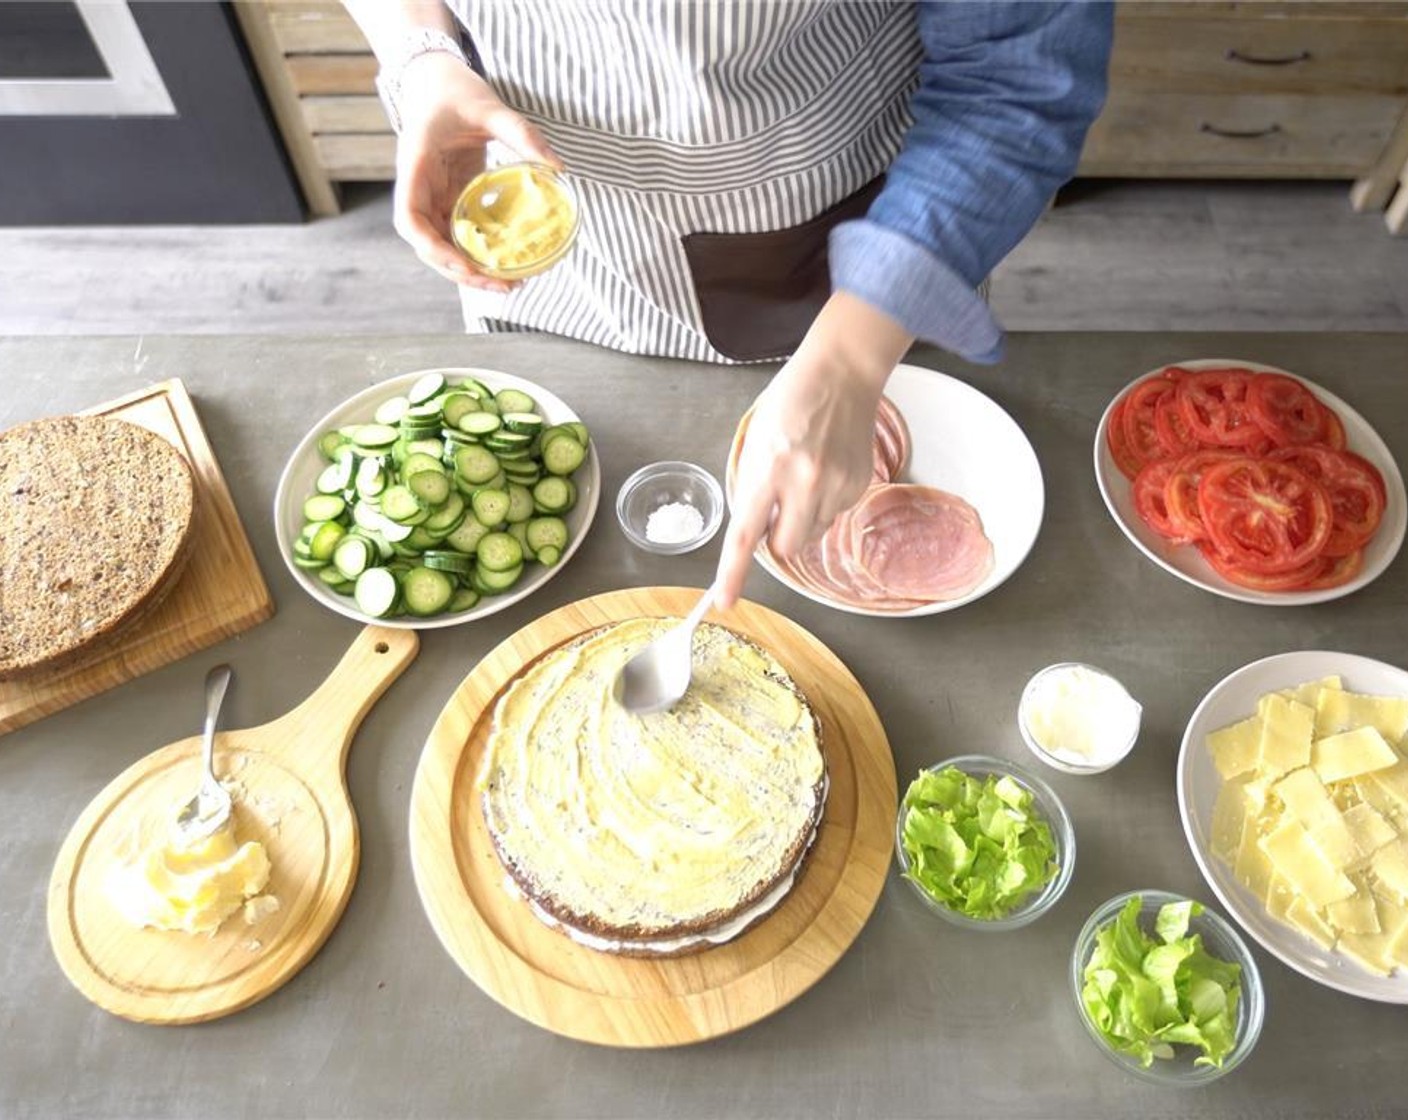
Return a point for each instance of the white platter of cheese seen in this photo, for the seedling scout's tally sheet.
(1293, 789)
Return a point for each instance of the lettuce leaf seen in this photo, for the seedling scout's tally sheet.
(976, 845)
(1146, 995)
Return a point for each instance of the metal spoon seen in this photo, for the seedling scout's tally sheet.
(657, 677)
(207, 812)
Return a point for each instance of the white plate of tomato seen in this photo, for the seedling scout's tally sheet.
(1250, 482)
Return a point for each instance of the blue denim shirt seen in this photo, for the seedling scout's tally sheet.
(1006, 93)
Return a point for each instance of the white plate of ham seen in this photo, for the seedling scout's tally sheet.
(954, 508)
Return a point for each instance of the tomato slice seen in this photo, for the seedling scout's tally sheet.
(1124, 459)
(1297, 579)
(1334, 429)
(1214, 403)
(1336, 571)
(1356, 489)
(1286, 410)
(1141, 438)
(1181, 491)
(1263, 516)
(1171, 429)
(1149, 488)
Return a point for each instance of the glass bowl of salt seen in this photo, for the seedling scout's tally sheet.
(669, 508)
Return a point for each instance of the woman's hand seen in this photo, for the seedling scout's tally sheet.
(807, 455)
(448, 115)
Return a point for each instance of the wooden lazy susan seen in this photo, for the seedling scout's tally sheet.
(291, 795)
(617, 1001)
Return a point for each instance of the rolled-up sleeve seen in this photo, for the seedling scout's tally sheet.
(1006, 94)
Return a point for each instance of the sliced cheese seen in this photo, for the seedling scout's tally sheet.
(1354, 915)
(1373, 794)
(1351, 753)
(1287, 728)
(1390, 867)
(1279, 897)
(1291, 852)
(1333, 841)
(1398, 947)
(1393, 781)
(1302, 916)
(1235, 749)
(1309, 693)
(1368, 828)
(1230, 812)
(1337, 711)
(1305, 795)
(1374, 951)
(1253, 868)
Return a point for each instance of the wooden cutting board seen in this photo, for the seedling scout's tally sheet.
(291, 795)
(618, 1001)
(220, 592)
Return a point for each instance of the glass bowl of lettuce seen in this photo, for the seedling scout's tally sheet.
(984, 843)
(1167, 988)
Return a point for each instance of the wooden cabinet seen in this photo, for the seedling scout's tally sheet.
(1197, 90)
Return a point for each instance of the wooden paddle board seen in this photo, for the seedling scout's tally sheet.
(565, 987)
(289, 781)
(219, 593)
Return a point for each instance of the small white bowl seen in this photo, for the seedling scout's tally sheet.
(661, 484)
(1070, 762)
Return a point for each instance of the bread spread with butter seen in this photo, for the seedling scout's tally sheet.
(658, 834)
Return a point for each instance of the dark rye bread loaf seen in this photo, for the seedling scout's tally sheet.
(95, 525)
(694, 936)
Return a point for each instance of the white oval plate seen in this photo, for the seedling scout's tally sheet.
(1232, 699)
(1187, 563)
(962, 442)
(305, 464)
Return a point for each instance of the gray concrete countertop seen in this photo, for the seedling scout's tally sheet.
(918, 1018)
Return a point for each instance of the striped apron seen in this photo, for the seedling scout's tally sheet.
(702, 135)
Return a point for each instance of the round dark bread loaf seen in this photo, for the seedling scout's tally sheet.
(95, 525)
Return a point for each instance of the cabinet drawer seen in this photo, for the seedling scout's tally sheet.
(1248, 55)
(1318, 136)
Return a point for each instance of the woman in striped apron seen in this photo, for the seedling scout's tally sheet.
(818, 180)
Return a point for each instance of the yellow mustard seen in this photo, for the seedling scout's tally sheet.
(193, 888)
(515, 220)
(649, 821)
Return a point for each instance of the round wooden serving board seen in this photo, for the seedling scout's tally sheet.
(618, 1001)
(291, 795)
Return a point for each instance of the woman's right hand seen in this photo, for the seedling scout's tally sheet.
(448, 114)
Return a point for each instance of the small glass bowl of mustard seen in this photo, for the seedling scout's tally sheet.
(516, 220)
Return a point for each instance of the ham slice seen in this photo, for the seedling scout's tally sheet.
(900, 547)
(918, 542)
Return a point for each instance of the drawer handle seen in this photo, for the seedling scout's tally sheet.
(1239, 134)
(1234, 55)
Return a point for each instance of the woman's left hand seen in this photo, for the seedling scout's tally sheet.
(807, 455)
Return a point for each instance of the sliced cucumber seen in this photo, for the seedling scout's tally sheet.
(375, 592)
(324, 507)
(447, 516)
(520, 503)
(514, 400)
(400, 503)
(371, 478)
(426, 591)
(391, 411)
(546, 532)
(426, 387)
(498, 552)
(467, 535)
(488, 582)
(477, 389)
(431, 487)
(476, 464)
(490, 505)
(550, 494)
(523, 423)
(330, 443)
(548, 555)
(375, 435)
(563, 456)
(456, 406)
(443, 561)
(464, 598)
(352, 556)
(478, 423)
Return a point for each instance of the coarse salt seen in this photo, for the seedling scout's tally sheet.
(674, 523)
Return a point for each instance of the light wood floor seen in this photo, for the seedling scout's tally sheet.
(1109, 256)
